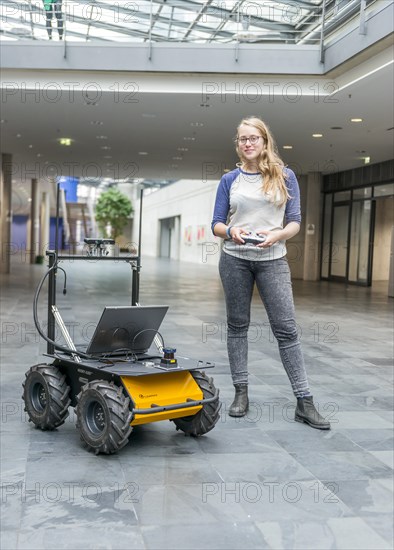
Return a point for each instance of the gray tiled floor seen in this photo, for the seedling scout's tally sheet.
(262, 481)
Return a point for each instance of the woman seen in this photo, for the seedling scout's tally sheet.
(258, 197)
(54, 7)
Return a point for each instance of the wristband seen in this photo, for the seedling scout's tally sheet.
(228, 231)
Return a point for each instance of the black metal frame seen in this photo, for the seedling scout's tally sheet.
(54, 258)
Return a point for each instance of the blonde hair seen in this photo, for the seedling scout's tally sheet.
(270, 165)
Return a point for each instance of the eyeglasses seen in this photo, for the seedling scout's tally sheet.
(252, 140)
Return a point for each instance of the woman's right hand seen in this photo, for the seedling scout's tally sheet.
(236, 235)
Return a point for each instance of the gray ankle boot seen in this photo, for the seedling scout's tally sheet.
(240, 405)
(306, 412)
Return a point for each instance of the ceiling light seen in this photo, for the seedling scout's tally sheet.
(65, 141)
(108, 157)
(105, 148)
(3, 121)
(317, 135)
(30, 146)
(336, 128)
(148, 115)
(189, 138)
(367, 160)
(142, 153)
(18, 136)
(177, 158)
(197, 124)
(101, 137)
(287, 147)
(183, 149)
(356, 120)
(96, 123)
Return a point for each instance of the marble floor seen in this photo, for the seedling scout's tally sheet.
(262, 481)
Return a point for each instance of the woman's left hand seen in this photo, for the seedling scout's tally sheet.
(271, 237)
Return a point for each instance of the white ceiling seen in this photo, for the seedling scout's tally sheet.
(159, 112)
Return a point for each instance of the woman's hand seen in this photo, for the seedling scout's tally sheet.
(271, 237)
(236, 235)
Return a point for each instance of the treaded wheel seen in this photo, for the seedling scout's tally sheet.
(47, 396)
(103, 417)
(206, 418)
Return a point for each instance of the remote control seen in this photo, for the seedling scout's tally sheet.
(253, 238)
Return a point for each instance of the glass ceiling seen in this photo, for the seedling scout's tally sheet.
(193, 21)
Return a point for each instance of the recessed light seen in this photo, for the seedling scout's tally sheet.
(183, 149)
(197, 124)
(39, 155)
(317, 135)
(177, 158)
(3, 121)
(189, 138)
(367, 160)
(30, 146)
(101, 137)
(287, 147)
(336, 128)
(105, 148)
(96, 123)
(356, 120)
(65, 141)
(18, 136)
(142, 153)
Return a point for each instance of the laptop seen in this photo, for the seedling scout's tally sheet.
(126, 328)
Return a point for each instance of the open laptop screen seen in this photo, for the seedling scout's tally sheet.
(126, 328)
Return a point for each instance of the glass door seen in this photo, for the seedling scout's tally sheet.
(360, 243)
(339, 241)
(347, 240)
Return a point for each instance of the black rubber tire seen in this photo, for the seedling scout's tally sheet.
(47, 396)
(206, 419)
(103, 417)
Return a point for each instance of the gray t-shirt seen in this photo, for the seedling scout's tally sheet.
(251, 209)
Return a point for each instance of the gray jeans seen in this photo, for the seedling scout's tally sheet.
(273, 281)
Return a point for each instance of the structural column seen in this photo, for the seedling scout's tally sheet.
(34, 222)
(312, 222)
(5, 211)
(45, 221)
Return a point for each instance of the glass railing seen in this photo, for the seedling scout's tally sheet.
(177, 21)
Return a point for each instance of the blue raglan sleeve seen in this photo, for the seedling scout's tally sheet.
(222, 203)
(293, 206)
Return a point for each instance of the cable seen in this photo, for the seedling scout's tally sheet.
(146, 330)
(35, 316)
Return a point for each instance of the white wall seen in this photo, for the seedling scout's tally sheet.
(193, 201)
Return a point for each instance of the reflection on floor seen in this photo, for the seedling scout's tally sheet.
(262, 481)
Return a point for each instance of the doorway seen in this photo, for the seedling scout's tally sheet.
(170, 237)
(348, 238)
